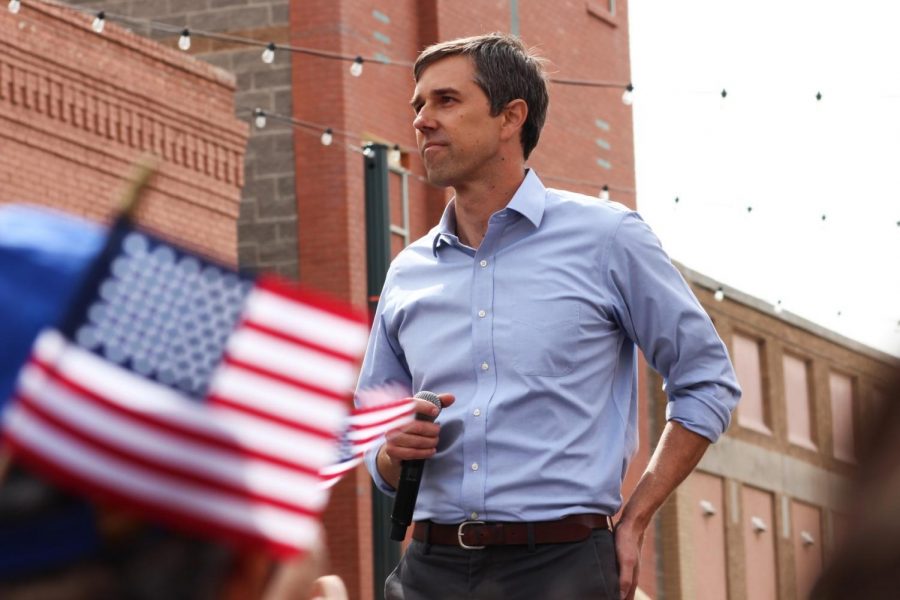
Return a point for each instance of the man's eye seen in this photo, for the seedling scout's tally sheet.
(446, 99)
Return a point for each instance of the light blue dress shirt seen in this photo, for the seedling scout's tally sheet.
(534, 333)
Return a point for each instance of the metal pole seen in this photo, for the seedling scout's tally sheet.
(386, 553)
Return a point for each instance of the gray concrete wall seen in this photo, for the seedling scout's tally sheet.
(267, 226)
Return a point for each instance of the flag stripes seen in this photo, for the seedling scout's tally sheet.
(365, 429)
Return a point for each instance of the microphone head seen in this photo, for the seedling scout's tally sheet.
(430, 397)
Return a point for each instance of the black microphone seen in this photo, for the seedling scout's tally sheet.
(410, 478)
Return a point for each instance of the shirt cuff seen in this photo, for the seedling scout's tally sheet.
(371, 459)
(702, 413)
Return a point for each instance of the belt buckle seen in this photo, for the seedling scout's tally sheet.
(459, 535)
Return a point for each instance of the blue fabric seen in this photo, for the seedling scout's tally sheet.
(545, 419)
(52, 538)
(43, 255)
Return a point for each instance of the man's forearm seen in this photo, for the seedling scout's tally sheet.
(677, 454)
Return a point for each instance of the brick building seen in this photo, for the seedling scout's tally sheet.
(767, 505)
(77, 109)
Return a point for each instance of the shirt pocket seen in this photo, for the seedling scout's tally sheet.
(545, 337)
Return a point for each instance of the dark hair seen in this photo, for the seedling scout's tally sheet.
(505, 70)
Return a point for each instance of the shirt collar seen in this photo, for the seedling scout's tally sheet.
(529, 201)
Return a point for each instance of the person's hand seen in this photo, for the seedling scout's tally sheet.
(297, 577)
(417, 439)
(629, 539)
(413, 441)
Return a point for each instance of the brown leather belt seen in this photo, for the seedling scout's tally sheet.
(474, 535)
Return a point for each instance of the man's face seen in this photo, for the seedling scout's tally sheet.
(456, 133)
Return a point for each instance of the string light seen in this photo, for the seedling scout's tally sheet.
(357, 66)
(259, 118)
(628, 95)
(268, 55)
(99, 22)
(604, 192)
(779, 308)
(327, 137)
(14, 6)
(720, 294)
(184, 42)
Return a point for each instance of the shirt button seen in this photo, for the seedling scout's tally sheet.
(484, 366)
(474, 515)
(482, 313)
(477, 412)
(483, 263)
(474, 466)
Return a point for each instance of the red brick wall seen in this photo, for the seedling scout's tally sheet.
(78, 108)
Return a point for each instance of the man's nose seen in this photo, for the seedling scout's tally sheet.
(423, 121)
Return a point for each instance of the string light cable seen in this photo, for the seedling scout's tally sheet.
(271, 49)
(326, 133)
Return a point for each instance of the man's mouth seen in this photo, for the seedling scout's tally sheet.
(429, 145)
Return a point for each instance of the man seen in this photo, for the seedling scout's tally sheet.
(523, 308)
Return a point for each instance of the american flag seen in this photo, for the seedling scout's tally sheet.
(198, 396)
(377, 411)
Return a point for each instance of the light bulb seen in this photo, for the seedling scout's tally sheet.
(604, 193)
(719, 295)
(259, 118)
(368, 152)
(327, 137)
(779, 307)
(628, 96)
(184, 42)
(14, 6)
(268, 55)
(99, 22)
(357, 66)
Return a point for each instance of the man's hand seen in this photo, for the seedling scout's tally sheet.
(676, 455)
(413, 441)
(629, 540)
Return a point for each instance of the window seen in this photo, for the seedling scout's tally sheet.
(753, 409)
(605, 10)
(842, 420)
(796, 399)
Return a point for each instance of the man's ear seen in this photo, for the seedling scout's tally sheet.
(514, 115)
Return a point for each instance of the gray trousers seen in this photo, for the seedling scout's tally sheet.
(581, 570)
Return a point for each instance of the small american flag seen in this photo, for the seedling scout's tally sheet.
(377, 411)
(196, 395)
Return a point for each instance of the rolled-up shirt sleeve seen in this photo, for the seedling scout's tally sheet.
(384, 364)
(659, 312)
